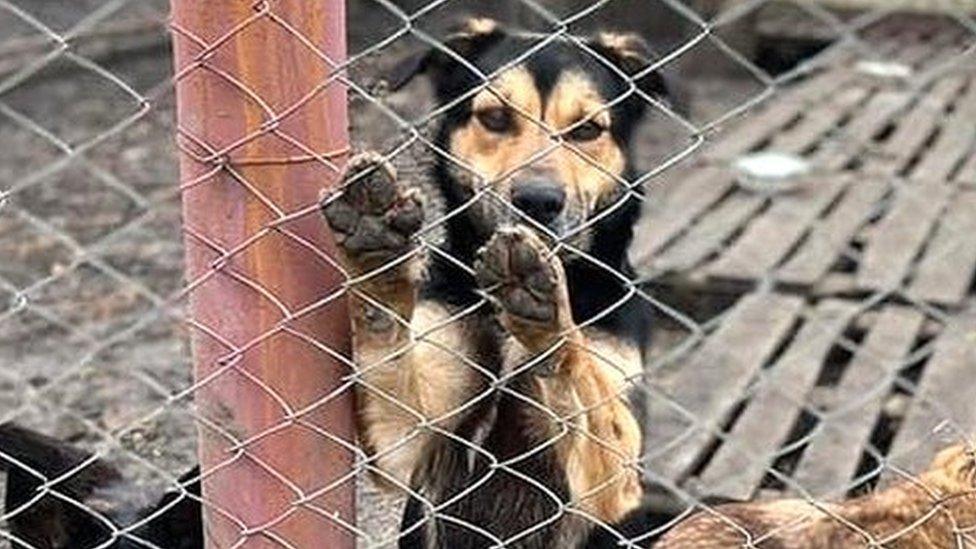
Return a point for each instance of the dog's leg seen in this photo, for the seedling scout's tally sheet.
(598, 453)
(405, 381)
(374, 221)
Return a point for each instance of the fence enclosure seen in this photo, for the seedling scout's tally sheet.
(171, 292)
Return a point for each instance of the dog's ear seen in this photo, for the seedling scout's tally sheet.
(632, 55)
(467, 41)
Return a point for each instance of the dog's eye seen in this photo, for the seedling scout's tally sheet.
(497, 120)
(587, 131)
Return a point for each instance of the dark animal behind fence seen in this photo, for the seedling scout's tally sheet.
(51, 512)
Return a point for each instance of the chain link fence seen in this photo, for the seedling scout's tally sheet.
(804, 173)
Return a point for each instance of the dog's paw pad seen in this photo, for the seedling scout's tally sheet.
(373, 218)
(520, 273)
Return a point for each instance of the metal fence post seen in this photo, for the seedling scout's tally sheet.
(261, 119)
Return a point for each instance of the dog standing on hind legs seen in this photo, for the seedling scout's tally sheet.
(512, 423)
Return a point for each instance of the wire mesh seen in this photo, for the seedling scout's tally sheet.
(809, 341)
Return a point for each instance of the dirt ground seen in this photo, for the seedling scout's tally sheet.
(90, 245)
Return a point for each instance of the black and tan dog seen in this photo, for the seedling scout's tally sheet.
(512, 423)
(935, 509)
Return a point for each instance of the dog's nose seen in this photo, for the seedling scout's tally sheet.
(540, 200)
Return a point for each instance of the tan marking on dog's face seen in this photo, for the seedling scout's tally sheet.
(490, 153)
(587, 173)
(529, 146)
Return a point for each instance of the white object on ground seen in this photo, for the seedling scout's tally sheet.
(770, 171)
(885, 69)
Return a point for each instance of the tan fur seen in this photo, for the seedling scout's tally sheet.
(428, 381)
(586, 169)
(597, 438)
(626, 45)
(938, 510)
(590, 169)
(621, 361)
(601, 449)
(494, 156)
(480, 25)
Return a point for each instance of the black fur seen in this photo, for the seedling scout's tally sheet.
(636, 526)
(504, 504)
(50, 522)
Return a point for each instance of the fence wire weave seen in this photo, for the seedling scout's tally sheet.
(808, 342)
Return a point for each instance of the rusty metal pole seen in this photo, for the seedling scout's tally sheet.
(260, 119)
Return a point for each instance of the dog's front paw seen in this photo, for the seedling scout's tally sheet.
(374, 220)
(527, 283)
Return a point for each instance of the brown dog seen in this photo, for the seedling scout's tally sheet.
(936, 510)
